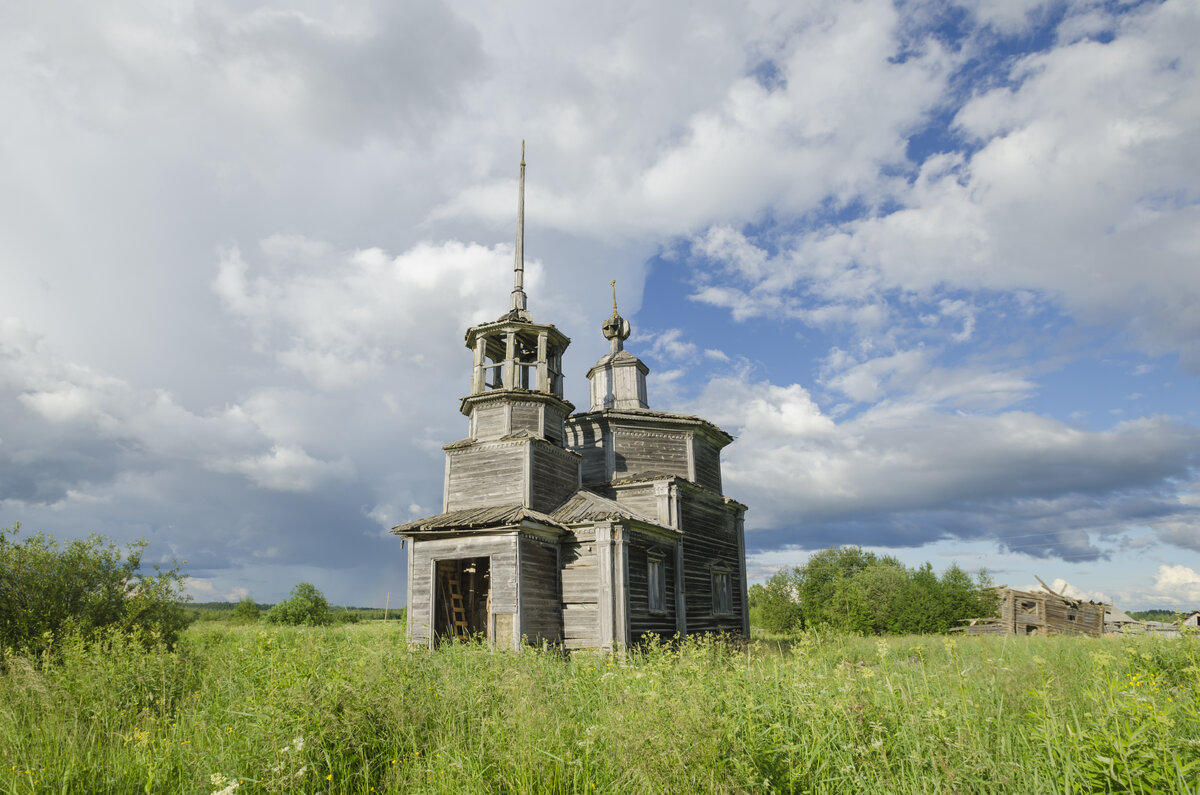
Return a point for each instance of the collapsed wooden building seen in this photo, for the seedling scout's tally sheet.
(587, 530)
(1039, 613)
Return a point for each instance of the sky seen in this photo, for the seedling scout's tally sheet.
(936, 265)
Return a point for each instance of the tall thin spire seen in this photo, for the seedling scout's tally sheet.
(519, 299)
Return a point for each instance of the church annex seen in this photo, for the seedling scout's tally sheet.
(587, 530)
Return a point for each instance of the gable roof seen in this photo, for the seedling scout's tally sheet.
(475, 519)
(588, 506)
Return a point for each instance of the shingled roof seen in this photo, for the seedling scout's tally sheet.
(476, 518)
(588, 506)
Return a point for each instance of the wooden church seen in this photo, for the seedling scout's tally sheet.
(587, 530)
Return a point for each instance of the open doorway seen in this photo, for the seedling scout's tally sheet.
(463, 598)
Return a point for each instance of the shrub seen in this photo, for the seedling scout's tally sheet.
(246, 611)
(772, 606)
(307, 606)
(48, 592)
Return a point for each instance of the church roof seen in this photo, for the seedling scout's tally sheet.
(476, 519)
(668, 417)
(588, 506)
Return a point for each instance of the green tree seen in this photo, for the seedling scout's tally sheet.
(307, 606)
(246, 611)
(826, 591)
(772, 607)
(48, 591)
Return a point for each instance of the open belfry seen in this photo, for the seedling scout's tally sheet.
(587, 530)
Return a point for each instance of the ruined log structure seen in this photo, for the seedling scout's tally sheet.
(586, 529)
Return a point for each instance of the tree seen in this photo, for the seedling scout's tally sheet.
(849, 590)
(825, 589)
(246, 611)
(48, 591)
(772, 606)
(307, 606)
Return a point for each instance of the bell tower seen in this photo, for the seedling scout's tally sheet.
(514, 452)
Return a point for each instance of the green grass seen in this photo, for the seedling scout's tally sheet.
(351, 708)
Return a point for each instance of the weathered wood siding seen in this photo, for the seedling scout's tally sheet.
(580, 577)
(641, 452)
(490, 421)
(708, 463)
(526, 417)
(502, 551)
(641, 498)
(553, 424)
(641, 620)
(1025, 613)
(587, 439)
(490, 473)
(555, 476)
(541, 609)
(710, 542)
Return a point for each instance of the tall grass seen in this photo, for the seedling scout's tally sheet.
(352, 709)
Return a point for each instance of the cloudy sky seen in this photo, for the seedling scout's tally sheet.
(935, 264)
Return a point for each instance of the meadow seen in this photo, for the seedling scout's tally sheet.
(349, 708)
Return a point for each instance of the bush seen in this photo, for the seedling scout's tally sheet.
(246, 611)
(846, 589)
(306, 607)
(48, 592)
(772, 606)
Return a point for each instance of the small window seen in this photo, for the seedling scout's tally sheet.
(657, 585)
(722, 595)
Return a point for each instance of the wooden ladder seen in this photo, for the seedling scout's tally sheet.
(457, 610)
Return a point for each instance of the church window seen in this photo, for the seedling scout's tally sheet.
(656, 582)
(722, 593)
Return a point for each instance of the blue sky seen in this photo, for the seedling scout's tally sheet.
(935, 264)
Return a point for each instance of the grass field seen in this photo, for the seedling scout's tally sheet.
(351, 709)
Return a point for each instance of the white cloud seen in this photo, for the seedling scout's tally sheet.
(138, 427)
(1178, 584)
(340, 318)
(905, 473)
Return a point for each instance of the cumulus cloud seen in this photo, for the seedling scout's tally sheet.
(903, 473)
(339, 318)
(1178, 584)
(118, 425)
(1076, 180)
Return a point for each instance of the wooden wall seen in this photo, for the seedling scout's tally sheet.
(638, 452)
(580, 578)
(708, 463)
(490, 473)
(643, 499)
(555, 476)
(641, 620)
(500, 548)
(710, 541)
(489, 421)
(541, 608)
(1027, 613)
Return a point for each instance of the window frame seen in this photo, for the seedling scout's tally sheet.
(722, 592)
(656, 561)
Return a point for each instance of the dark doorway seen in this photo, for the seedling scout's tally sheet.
(463, 598)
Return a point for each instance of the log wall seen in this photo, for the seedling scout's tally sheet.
(580, 578)
(541, 608)
(501, 549)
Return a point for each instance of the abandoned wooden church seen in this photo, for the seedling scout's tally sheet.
(586, 529)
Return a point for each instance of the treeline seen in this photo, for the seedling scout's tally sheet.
(848, 590)
(228, 611)
(1159, 614)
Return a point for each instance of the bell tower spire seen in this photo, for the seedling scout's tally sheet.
(618, 379)
(519, 303)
